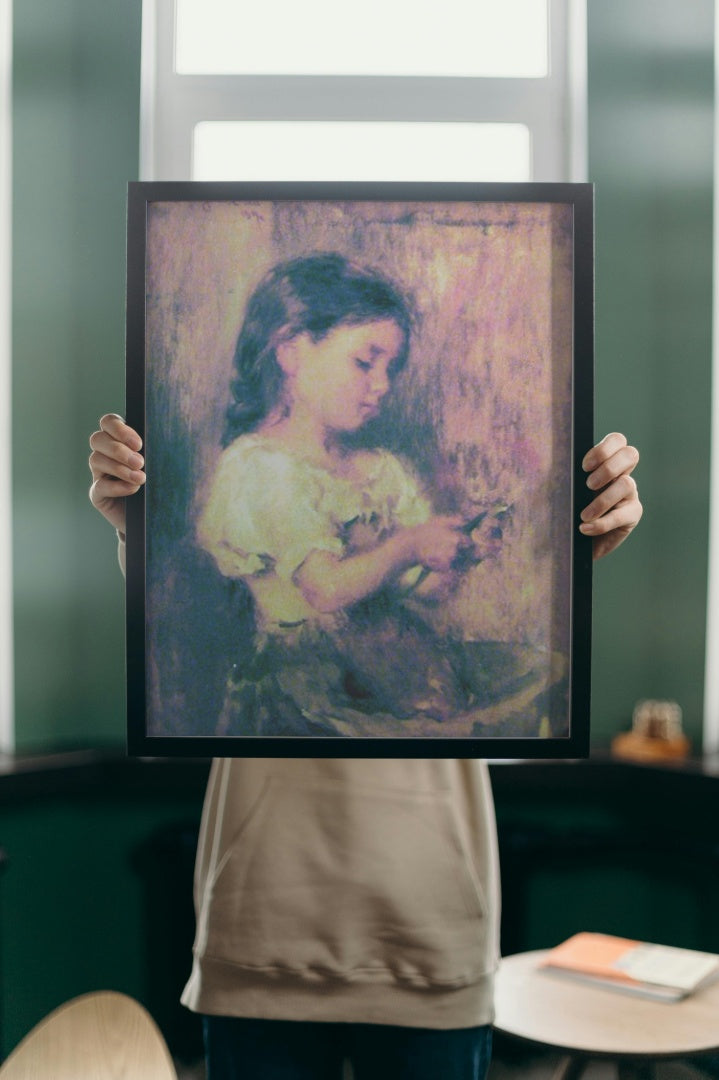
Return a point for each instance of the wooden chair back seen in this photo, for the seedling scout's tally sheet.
(99, 1036)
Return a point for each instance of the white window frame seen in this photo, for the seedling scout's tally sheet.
(7, 720)
(553, 108)
(710, 730)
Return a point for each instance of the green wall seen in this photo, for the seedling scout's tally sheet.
(76, 96)
(650, 156)
(78, 899)
(76, 88)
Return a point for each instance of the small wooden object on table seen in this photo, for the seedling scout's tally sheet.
(656, 734)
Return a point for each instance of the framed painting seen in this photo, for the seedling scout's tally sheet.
(364, 408)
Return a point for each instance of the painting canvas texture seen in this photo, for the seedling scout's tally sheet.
(471, 425)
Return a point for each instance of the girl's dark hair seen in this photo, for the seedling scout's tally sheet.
(312, 294)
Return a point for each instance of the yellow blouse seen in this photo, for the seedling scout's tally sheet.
(268, 508)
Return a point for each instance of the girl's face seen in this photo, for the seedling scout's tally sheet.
(342, 378)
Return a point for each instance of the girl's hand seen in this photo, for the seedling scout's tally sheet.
(116, 466)
(616, 509)
(437, 543)
(487, 539)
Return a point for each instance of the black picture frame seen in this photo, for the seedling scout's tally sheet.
(497, 397)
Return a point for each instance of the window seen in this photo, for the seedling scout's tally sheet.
(465, 90)
(403, 38)
(358, 150)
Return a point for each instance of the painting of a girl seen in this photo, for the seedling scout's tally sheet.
(338, 546)
(345, 532)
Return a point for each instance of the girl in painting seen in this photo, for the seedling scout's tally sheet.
(339, 547)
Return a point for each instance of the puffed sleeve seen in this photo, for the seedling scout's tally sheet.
(406, 502)
(263, 514)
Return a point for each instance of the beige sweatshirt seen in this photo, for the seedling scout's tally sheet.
(347, 890)
(350, 890)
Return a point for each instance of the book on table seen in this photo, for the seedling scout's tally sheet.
(661, 972)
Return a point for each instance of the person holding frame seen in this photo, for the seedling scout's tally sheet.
(349, 909)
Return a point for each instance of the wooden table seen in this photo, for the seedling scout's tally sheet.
(586, 1022)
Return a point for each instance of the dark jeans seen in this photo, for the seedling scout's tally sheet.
(239, 1049)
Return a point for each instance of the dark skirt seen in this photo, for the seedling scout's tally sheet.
(383, 671)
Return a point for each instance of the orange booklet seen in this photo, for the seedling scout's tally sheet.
(662, 972)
